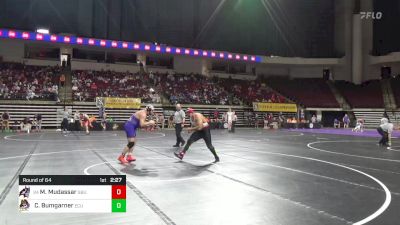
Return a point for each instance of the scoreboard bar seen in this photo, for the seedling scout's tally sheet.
(72, 193)
(72, 180)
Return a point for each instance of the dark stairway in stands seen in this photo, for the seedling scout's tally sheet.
(65, 91)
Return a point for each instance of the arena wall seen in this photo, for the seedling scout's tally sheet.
(268, 70)
(234, 76)
(40, 62)
(93, 65)
(12, 50)
(190, 65)
(306, 72)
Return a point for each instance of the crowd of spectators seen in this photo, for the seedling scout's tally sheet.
(88, 84)
(19, 81)
(195, 89)
(250, 91)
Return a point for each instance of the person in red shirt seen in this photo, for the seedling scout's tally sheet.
(62, 80)
(93, 86)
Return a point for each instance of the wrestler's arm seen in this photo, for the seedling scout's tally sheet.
(142, 119)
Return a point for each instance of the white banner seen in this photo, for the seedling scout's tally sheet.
(70, 192)
(67, 206)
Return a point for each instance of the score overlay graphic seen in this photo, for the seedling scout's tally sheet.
(72, 193)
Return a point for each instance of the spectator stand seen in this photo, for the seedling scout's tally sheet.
(304, 91)
(249, 91)
(366, 95)
(87, 85)
(22, 82)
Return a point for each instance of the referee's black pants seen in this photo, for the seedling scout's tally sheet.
(178, 131)
(385, 136)
(64, 124)
(77, 125)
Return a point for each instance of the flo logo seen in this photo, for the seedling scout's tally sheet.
(371, 15)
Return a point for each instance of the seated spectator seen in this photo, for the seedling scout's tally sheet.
(313, 119)
(87, 85)
(359, 126)
(171, 121)
(5, 118)
(15, 126)
(336, 123)
(30, 94)
(26, 125)
(18, 81)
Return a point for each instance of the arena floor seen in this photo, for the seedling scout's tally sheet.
(264, 177)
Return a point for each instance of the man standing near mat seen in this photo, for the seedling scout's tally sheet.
(229, 119)
(201, 130)
(77, 119)
(5, 117)
(234, 122)
(85, 122)
(346, 121)
(179, 120)
(64, 123)
(137, 120)
(38, 122)
(385, 130)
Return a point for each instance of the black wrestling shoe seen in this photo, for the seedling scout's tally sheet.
(183, 143)
(175, 146)
(216, 160)
(179, 154)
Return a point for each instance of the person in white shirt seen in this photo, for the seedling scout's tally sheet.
(313, 119)
(359, 126)
(77, 122)
(26, 125)
(385, 130)
(65, 122)
(234, 121)
(229, 119)
(179, 120)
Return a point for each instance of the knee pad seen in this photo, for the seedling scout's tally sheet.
(131, 144)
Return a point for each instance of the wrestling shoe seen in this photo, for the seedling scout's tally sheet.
(130, 158)
(179, 154)
(175, 146)
(216, 159)
(122, 159)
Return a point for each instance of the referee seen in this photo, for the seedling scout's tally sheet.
(179, 120)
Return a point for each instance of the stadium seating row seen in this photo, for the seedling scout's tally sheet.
(18, 81)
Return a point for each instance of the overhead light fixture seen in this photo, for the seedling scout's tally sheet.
(43, 31)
